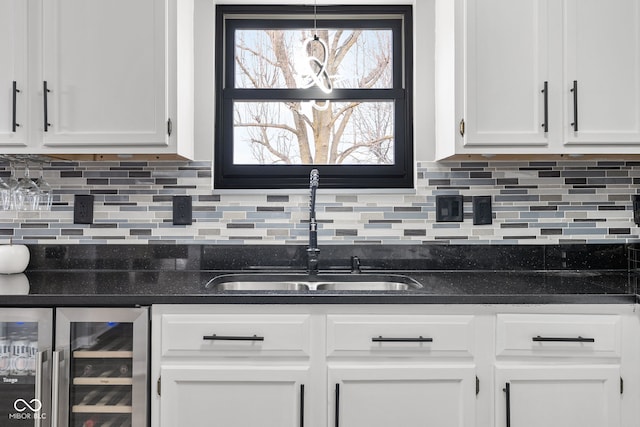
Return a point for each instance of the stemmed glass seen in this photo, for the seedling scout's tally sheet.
(6, 195)
(27, 193)
(45, 192)
(12, 182)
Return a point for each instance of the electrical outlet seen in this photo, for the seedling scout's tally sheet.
(83, 209)
(182, 210)
(482, 211)
(449, 208)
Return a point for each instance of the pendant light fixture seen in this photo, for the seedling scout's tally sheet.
(314, 69)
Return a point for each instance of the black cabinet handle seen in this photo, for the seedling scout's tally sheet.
(14, 123)
(574, 89)
(545, 92)
(419, 339)
(215, 337)
(337, 409)
(301, 405)
(562, 339)
(507, 401)
(45, 92)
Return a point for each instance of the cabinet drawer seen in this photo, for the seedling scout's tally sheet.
(235, 335)
(558, 335)
(410, 335)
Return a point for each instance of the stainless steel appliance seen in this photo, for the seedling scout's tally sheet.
(93, 374)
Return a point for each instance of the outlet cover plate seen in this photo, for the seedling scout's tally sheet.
(182, 210)
(83, 209)
(482, 211)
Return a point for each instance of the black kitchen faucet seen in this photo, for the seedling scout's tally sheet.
(312, 250)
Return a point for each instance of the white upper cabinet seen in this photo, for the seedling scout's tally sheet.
(505, 73)
(104, 77)
(104, 65)
(602, 48)
(13, 73)
(507, 65)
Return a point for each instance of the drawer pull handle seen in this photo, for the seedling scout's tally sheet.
(507, 399)
(419, 339)
(215, 337)
(337, 408)
(561, 339)
(45, 92)
(301, 405)
(14, 123)
(574, 90)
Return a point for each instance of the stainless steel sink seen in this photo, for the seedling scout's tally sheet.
(255, 285)
(321, 282)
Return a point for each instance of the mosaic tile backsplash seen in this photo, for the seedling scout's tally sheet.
(537, 202)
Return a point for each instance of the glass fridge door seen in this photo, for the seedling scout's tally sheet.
(102, 358)
(25, 366)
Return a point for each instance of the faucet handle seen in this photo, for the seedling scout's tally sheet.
(355, 265)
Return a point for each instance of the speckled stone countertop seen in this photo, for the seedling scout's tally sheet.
(127, 275)
(126, 288)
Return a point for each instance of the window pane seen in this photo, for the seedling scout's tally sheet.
(299, 133)
(279, 59)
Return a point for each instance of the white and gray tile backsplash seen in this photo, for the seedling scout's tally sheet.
(537, 202)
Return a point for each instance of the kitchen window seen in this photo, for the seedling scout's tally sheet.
(303, 87)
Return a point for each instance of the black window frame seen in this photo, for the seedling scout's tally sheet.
(227, 175)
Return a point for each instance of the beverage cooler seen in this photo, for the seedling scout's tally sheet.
(90, 371)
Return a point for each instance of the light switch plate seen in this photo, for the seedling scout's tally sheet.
(449, 208)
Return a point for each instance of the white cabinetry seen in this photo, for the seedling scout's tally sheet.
(403, 395)
(571, 396)
(602, 55)
(505, 74)
(393, 369)
(312, 366)
(196, 394)
(103, 80)
(555, 369)
(383, 365)
(240, 368)
(14, 86)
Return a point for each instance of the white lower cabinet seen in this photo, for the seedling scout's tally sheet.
(563, 369)
(559, 395)
(227, 395)
(395, 365)
(402, 395)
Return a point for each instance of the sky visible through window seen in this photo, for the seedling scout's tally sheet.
(345, 131)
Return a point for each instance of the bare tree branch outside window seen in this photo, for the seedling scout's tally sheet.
(294, 132)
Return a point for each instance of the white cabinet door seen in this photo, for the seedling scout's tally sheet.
(13, 73)
(406, 395)
(515, 63)
(558, 396)
(233, 396)
(104, 66)
(602, 51)
(506, 46)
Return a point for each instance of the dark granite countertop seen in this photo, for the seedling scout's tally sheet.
(145, 287)
(127, 275)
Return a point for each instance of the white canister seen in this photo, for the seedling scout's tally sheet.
(13, 258)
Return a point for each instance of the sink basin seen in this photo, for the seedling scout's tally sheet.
(320, 282)
(255, 285)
